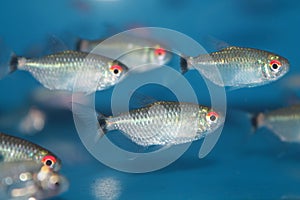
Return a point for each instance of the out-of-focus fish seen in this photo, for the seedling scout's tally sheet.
(62, 70)
(29, 180)
(239, 67)
(33, 122)
(17, 149)
(164, 123)
(284, 122)
(134, 51)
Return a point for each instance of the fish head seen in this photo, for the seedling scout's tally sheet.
(274, 67)
(159, 55)
(51, 161)
(51, 183)
(213, 120)
(117, 70)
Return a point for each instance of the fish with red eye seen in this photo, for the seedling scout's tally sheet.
(24, 150)
(212, 117)
(134, 50)
(160, 52)
(116, 69)
(164, 123)
(275, 65)
(238, 67)
(49, 161)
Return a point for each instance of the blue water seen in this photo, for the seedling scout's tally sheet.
(243, 165)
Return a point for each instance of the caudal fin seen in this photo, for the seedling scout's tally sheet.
(183, 65)
(257, 121)
(13, 64)
(102, 122)
(87, 120)
(79, 44)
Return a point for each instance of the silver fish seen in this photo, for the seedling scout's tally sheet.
(62, 70)
(239, 67)
(284, 122)
(16, 149)
(164, 123)
(134, 51)
(29, 180)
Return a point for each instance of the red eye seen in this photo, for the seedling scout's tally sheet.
(116, 69)
(275, 65)
(212, 116)
(159, 51)
(49, 160)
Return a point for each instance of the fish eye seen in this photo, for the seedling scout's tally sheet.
(116, 69)
(212, 116)
(275, 65)
(49, 161)
(160, 52)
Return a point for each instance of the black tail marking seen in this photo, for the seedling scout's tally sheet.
(78, 45)
(102, 122)
(13, 64)
(254, 122)
(183, 65)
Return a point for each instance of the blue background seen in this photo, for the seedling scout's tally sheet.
(243, 165)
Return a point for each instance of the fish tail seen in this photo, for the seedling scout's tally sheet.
(102, 120)
(78, 44)
(183, 65)
(13, 64)
(257, 121)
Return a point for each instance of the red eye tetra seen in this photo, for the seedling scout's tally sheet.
(49, 161)
(116, 69)
(159, 51)
(212, 116)
(275, 65)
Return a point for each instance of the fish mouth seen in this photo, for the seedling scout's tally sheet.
(219, 123)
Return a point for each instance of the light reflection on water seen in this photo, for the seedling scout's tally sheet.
(106, 188)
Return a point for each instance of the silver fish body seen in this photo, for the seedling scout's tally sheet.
(239, 67)
(16, 149)
(165, 123)
(61, 71)
(133, 51)
(284, 122)
(27, 179)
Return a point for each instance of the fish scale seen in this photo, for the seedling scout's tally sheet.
(60, 71)
(17, 149)
(238, 67)
(163, 123)
(283, 122)
(133, 51)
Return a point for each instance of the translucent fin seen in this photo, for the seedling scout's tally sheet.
(215, 43)
(209, 142)
(141, 100)
(5, 59)
(55, 45)
(86, 120)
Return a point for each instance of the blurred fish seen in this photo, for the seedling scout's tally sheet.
(134, 51)
(27, 120)
(284, 122)
(55, 99)
(33, 122)
(29, 180)
(62, 70)
(17, 149)
(239, 67)
(164, 123)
